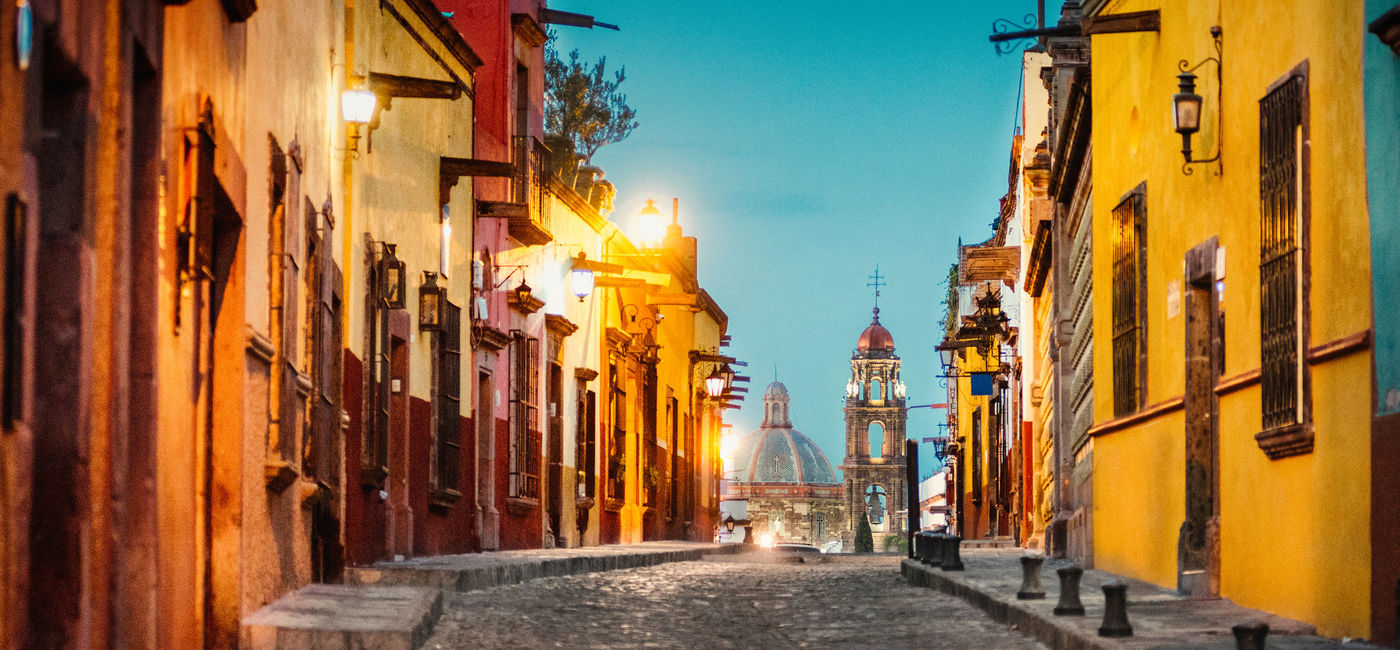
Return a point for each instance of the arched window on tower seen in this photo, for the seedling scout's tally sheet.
(876, 436)
(877, 392)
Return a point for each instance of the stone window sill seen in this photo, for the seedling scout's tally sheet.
(279, 474)
(520, 506)
(1282, 442)
(443, 498)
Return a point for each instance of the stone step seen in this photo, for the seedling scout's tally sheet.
(330, 617)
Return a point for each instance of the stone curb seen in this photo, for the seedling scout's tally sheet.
(395, 606)
(346, 616)
(1058, 635)
(1163, 620)
(441, 574)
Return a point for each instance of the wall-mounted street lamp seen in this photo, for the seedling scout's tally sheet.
(714, 384)
(522, 292)
(1186, 105)
(368, 96)
(651, 225)
(392, 278)
(357, 106)
(581, 277)
(431, 296)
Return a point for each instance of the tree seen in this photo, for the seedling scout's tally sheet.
(865, 542)
(583, 106)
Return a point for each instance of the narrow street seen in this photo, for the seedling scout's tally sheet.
(736, 601)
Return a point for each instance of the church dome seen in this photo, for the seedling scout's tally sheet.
(776, 388)
(781, 455)
(875, 337)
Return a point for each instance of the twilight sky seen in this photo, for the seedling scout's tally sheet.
(808, 142)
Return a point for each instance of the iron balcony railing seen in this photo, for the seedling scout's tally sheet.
(527, 187)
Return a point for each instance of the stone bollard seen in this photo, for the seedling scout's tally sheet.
(1115, 611)
(952, 560)
(935, 550)
(1069, 604)
(1250, 636)
(1031, 588)
(921, 547)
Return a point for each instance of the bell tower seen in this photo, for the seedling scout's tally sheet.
(875, 414)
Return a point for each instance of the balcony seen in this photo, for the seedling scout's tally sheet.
(529, 209)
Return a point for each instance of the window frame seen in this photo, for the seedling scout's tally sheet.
(1279, 438)
(1128, 319)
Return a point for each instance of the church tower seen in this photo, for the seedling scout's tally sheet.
(875, 413)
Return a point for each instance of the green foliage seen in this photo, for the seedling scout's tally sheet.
(897, 543)
(582, 104)
(950, 306)
(865, 542)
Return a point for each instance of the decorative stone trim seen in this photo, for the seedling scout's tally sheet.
(1143, 415)
(559, 325)
(586, 374)
(259, 346)
(528, 30)
(443, 498)
(1292, 440)
(1340, 347)
(489, 338)
(279, 474)
(520, 507)
(1237, 382)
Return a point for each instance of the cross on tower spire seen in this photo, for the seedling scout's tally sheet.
(875, 282)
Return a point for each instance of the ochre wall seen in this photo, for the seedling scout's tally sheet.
(1279, 518)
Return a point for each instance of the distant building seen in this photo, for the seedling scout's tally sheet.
(790, 489)
(875, 414)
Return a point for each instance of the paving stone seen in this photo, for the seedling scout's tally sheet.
(724, 601)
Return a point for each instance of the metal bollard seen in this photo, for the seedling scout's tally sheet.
(1031, 588)
(952, 561)
(921, 547)
(1250, 636)
(935, 549)
(1115, 611)
(1069, 604)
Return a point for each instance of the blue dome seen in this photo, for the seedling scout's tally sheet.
(781, 455)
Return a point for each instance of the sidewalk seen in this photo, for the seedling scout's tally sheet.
(1160, 618)
(394, 605)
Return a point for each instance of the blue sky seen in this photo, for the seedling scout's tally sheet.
(809, 142)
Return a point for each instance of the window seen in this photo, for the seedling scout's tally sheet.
(673, 438)
(1283, 234)
(651, 467)
(977, 455)
(16, 251)
(524, 435)
(1129, 285)
(448, 391)
(617, 413)
(586, 450)
(374, 452)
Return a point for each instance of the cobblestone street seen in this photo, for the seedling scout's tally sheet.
(738, 601)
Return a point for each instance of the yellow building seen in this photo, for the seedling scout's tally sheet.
(1232, 436)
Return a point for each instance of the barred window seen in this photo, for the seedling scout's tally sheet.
(1281, 128)
(977, 455)
(586, 450)
(448, 373)
(524, 436)
(1129, 285)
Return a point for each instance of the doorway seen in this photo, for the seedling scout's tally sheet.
(1199, 544)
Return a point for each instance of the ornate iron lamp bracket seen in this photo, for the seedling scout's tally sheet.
(1184, 66)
